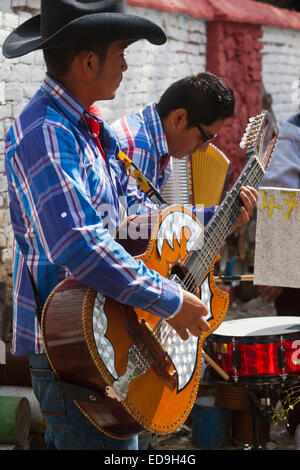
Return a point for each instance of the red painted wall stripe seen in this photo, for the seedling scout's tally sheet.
(245, 11)
(234, 54)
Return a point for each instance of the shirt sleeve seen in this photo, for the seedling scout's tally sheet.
(71, 233)
(284, 168)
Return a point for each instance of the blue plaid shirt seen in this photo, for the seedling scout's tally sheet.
(142, 138)
(65, 204)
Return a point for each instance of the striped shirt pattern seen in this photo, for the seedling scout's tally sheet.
(65, 205)
(142, 138)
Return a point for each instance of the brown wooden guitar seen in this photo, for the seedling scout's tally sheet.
(134, 371)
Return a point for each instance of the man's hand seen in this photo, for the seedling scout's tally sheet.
(249, 198)
(269, 293)
(189, 318)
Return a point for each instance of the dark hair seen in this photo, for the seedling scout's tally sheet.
(59, 60)
(204, 96)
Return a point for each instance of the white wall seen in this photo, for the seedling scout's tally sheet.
(151, 70)
(281, 69)
(19, 79)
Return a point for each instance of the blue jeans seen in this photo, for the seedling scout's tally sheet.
(68, 428)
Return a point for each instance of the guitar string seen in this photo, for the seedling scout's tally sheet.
(252, 179)
(225, 216)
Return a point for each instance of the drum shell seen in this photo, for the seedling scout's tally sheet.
(231, 397)
(255, 357)
(243, 428)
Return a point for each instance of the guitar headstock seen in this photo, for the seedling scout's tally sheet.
(260, 137)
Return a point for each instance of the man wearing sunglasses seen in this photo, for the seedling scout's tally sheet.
(187, 117)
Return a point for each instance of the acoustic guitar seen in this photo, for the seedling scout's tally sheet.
(127, 370)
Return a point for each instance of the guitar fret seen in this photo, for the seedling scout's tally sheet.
(210, 243)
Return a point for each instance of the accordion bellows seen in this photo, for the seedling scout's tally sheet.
(209, 170)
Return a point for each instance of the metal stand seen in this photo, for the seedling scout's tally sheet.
(263, 399)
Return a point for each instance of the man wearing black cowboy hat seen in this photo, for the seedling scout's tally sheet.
(66, 196)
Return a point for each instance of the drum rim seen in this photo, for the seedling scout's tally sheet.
(261, 379)
(253, 339)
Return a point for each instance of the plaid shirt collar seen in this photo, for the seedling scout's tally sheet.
(63, 99)
(75, 112)
(156, 129)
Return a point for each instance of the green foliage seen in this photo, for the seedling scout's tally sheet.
(289, 399)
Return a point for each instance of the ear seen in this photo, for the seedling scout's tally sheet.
(87, 60)
(178, 118)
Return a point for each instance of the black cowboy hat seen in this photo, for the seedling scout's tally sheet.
(75, 22)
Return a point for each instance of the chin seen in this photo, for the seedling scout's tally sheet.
(108, 97)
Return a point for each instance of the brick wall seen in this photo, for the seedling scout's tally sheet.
(281, 69)
(19, 78)
(234, 54)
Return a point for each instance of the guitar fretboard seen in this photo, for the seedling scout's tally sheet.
(209, 243)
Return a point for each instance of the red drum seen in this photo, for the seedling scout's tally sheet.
(258, 350)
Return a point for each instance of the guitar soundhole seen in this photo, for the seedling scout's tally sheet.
(187, 282)
(184, 278)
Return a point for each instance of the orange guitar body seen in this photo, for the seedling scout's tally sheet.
(154, 400)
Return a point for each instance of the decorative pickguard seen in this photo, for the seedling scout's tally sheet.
(172, 225)
(205, 296)
(183, 353)
(136, 365)
(104, 346)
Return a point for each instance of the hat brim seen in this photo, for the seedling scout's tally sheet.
(98, 27)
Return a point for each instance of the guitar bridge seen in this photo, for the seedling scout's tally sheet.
(151, 345)
(137, 365)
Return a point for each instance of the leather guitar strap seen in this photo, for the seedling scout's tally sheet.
(38, 303)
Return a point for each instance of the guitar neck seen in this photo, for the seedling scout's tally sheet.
(209, 243)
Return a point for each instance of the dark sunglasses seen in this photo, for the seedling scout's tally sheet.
(207, 137)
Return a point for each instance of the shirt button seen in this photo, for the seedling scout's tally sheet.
(63, 215)
(94, 135)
